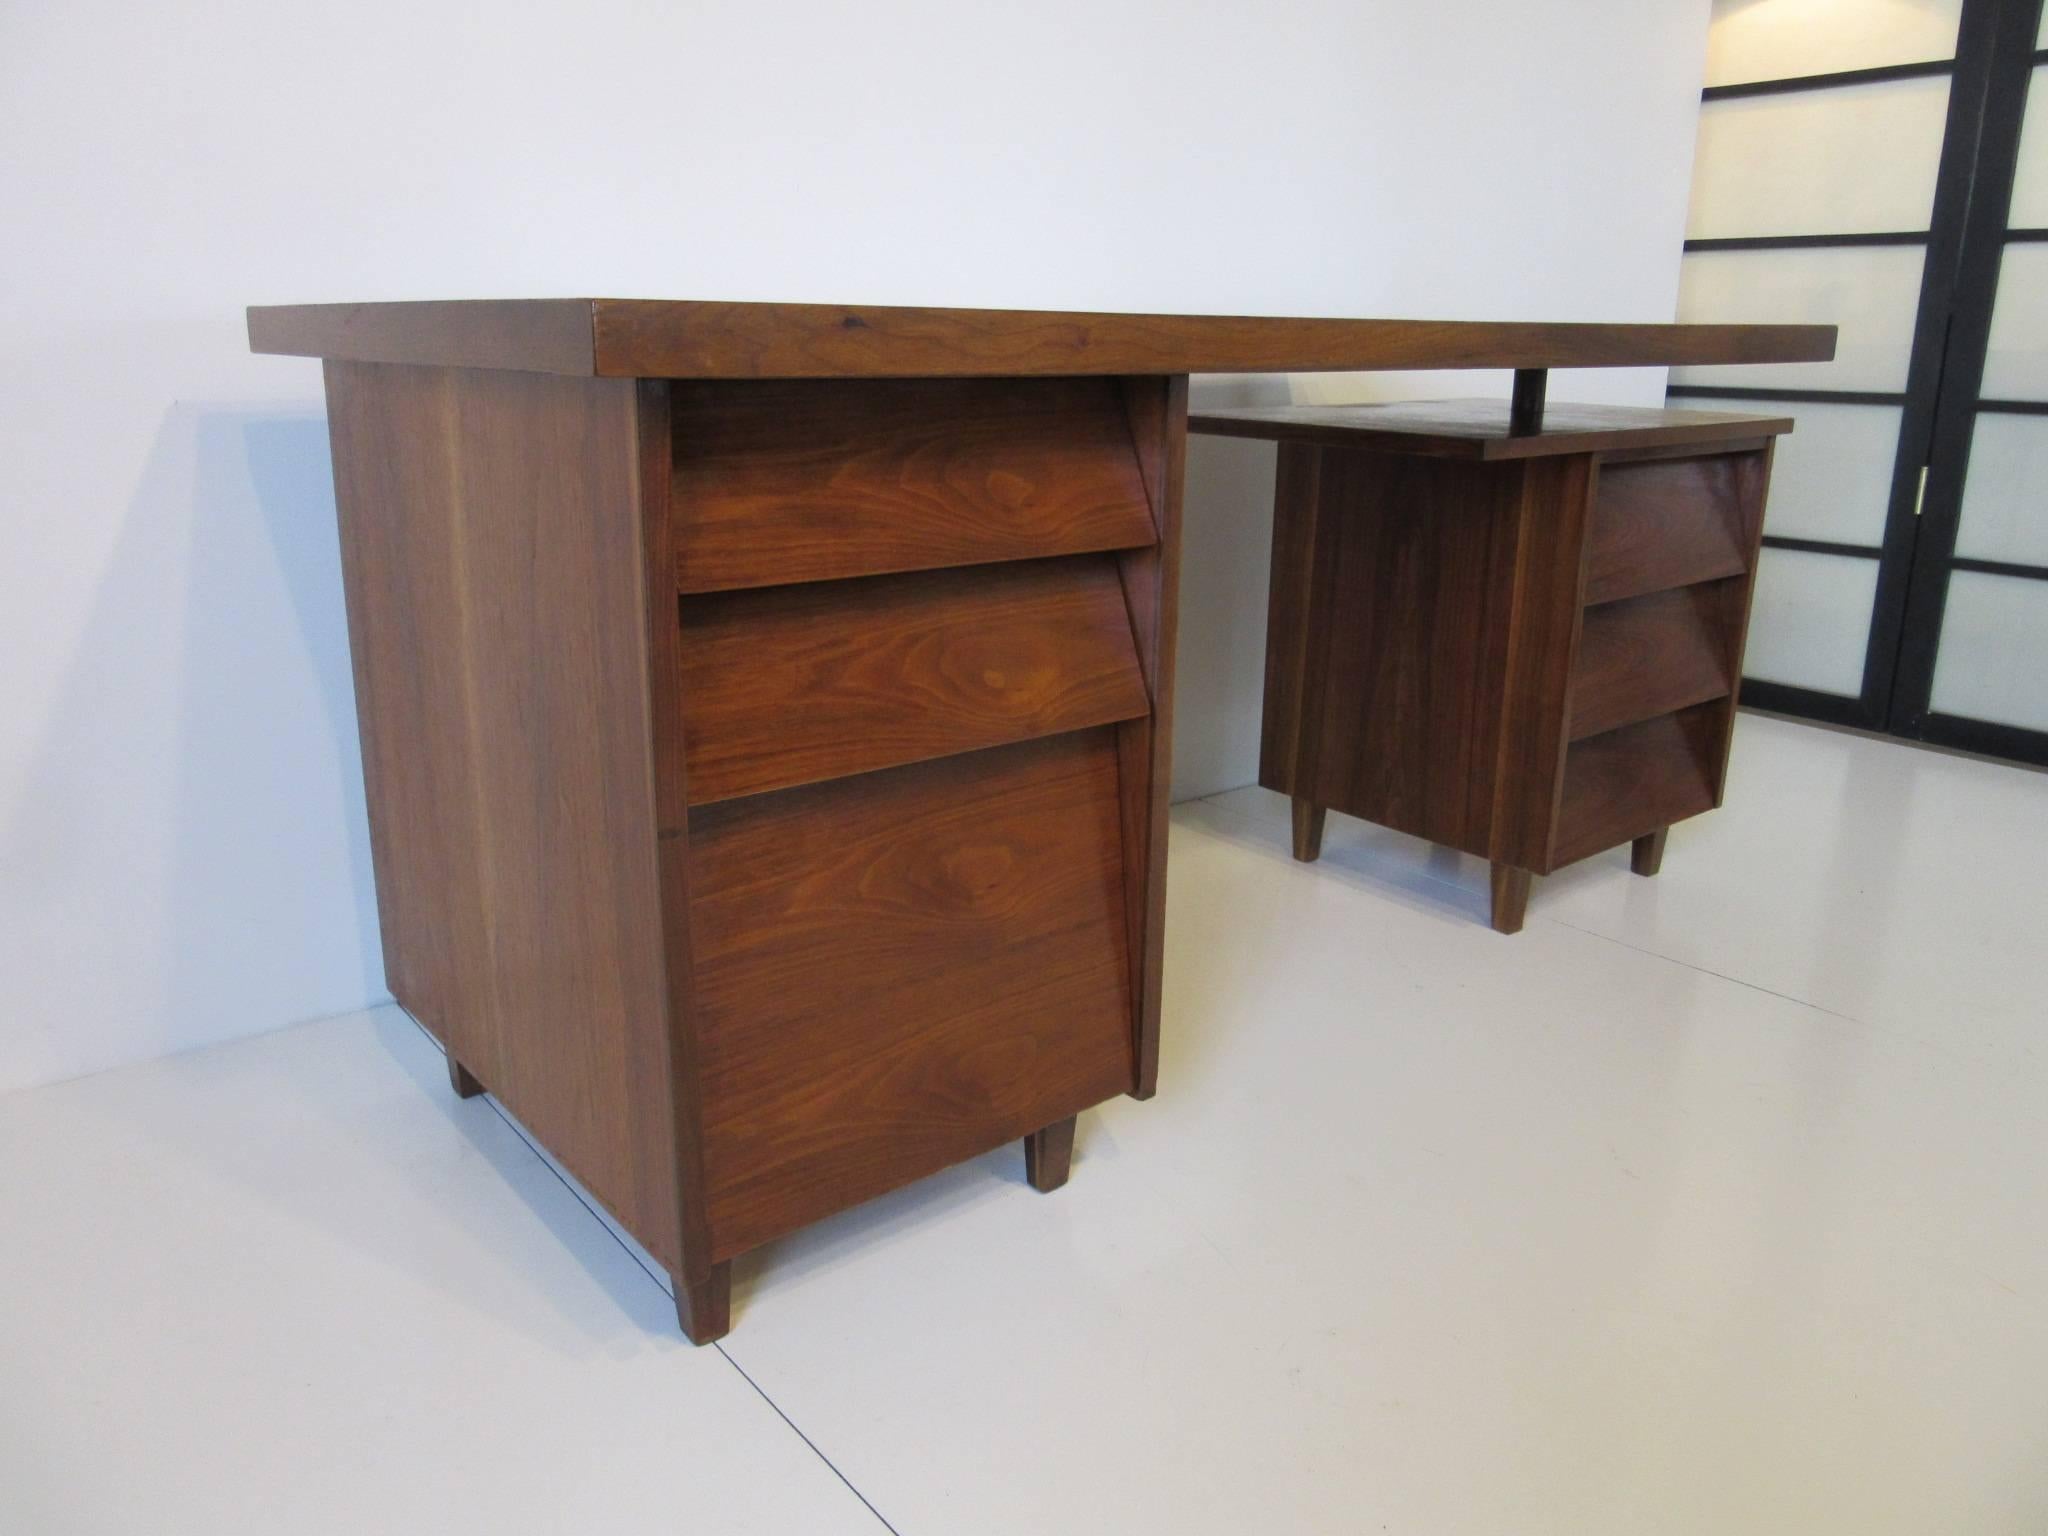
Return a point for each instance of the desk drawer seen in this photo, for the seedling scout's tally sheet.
(898, 971)
(1666, 523)
(790, 685)
(1654, 654)
(1629, 782)
(814, 480)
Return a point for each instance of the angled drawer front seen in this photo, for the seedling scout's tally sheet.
(790, 685)
(1667, 523)
(1650, 655)
(1626, 783)
(778, 482)
(902, 970)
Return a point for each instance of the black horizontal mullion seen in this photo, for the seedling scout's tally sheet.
(1822, 547)
(1990, 737)
(2015, 407)
(2025, 236)
(1803, 703)
(1832, 80)
(1796, 396)
(1999, 568)
(1805, 242)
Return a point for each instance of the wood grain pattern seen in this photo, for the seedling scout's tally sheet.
(1462, 644)
(507, 753)
(687, 339)
(1157, 415)
(789, 685)
(1543, 630)
(1478, 429)
(703, 1292)
(1298, 585)
(1633, 781)
(1508, 886)
(1410, 571)
(539, 335)
(1652, 655)
(900, 971)
(778, 483)
(1665, 523)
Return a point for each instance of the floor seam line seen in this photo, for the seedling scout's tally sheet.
(807, 1440)
(1754, 986)
(513, 1125)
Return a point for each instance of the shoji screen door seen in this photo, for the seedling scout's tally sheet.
(1855, 163)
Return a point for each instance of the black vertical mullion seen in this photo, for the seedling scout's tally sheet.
(1976, 44)
(1998, 77)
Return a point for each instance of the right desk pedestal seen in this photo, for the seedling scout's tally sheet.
(1523, 648)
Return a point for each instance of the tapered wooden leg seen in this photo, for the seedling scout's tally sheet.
(1646, 854)
(1308, 830)
(1510, 897)
(1049, 1155)
(704, 1305)
(459, 1078)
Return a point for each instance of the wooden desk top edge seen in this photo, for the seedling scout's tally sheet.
(690, 339)
(1478, 429)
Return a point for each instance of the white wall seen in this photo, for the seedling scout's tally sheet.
(183, 854)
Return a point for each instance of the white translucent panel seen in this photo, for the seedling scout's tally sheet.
(1831, 478)
(1871, 292)
(2016, 367)
(1776, 39)
(1993, 660)
(2005, 494)
(1834, 162)
(1810, 624)
(2030, 176)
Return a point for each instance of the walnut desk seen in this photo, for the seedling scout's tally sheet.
(766, 713)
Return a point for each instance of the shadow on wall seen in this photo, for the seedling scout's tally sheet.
(189, 860)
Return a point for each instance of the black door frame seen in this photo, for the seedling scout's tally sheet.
(1989, 75)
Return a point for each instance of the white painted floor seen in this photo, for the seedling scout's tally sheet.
(1714, 1203)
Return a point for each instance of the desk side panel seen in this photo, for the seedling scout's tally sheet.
(492, 551)
(1393, 580)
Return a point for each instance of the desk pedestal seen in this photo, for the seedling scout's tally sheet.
(767, 781)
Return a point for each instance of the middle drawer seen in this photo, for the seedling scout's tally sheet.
(791, 685)
(1653, 654)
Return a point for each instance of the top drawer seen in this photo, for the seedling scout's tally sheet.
(1663, 523)
(814, 480)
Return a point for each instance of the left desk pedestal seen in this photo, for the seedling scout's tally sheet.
(767, 781)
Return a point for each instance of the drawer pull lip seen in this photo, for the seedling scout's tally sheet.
(792, 685)
(1640, 657)
(798, 481)
(1660, 524)
(1626, 783)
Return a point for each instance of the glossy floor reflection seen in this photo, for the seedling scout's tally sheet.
(1710, 1203)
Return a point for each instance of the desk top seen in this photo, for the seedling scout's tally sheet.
(688, 339)
(1478, 429)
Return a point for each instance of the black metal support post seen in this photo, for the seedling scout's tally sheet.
(1525, 410)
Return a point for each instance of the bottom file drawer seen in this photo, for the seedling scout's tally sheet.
(1623, 784)
(901, 970)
